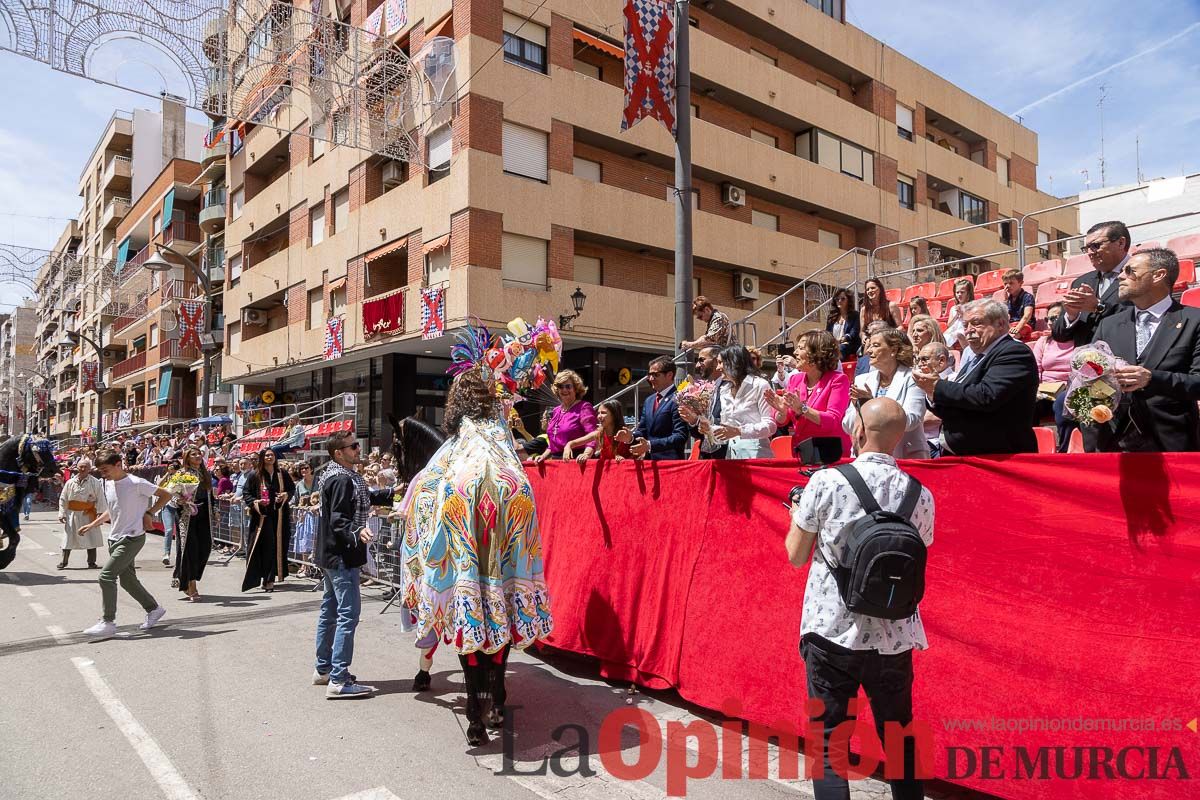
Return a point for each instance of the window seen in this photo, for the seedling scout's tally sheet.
(588, 170)
(1044, 244)
(695, 197)
(832, 8)
(762, 219)
(337, 302)
(830, 239)
(524, 43)
(235, 337)
(761, 56)
(764, 138)
(523, 261)
(437, 266)
(319, 133)
(904, 122)
(1002, 170)
(155, 224)
(695, 111)
(906, 256)
(438, 144)
(833, 153)
(153, 335)
(1006, 232)
(671, 285)
(831, 89)
(237, 200)
(971, 209)
(235, 268)
(316, 224)
(151, 391)
(341, 211)
(524, 151)
(906, 191)
(589, 270)
(979, 156)
(590, 70)
(316, 304)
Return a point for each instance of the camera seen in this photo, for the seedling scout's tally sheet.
(794, 495)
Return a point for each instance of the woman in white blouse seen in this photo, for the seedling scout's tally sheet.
(747, 420)
(891, 357)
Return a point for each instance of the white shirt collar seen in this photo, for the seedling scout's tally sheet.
(1116, 271)
(876, 458)
(1159, 308)
(987, 349)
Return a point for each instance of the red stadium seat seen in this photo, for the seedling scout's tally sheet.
(1187, 275)
(1191, 298)
(925, 290)
(945, 290)
(1046, 439)
(999, 295)
(935, 308)
(1075, 443)
(1042, 271)
(942, 324)
(988, 282)
(1144, 246)
(1050, 293)
(946, 306)
(1077, 265)
(1185, 246)
(893, 295)
(781, 446)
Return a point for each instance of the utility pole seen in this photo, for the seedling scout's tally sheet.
(683, 176)
(1103, 90)
(1137, 155)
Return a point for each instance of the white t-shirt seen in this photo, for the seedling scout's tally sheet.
(126, 501)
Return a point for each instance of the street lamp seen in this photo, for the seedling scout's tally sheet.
(578, 298)
(73, 338)
(156, 263)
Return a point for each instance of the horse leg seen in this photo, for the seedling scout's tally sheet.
(475, 674)
(11, 536)
(496, 667)
(422, 680)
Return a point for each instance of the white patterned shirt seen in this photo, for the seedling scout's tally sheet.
(827, 507)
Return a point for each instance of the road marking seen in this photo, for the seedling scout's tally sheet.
(40, 610)
(59, 634)
(601, 786)
(23, 592)
(173, 786)
(378, 793)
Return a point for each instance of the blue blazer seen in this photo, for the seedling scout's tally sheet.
(663, 429)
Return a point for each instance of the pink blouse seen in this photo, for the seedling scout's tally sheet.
(1053, 359)
(568, 425)
(829, 398)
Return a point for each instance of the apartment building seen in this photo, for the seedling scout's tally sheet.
(810, 139)
(129, 156)
(19, 375)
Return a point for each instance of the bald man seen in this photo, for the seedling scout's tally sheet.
(843, 650)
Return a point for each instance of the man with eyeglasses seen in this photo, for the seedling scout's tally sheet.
(1160, 340)
(661, 433)
(1094, 296)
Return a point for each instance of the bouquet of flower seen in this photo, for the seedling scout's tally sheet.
(183, 485)
(1093, 392)
(696, 396)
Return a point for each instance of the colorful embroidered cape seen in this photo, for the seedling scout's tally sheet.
(471, 551)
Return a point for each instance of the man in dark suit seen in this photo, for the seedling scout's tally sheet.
(660, 433)
(1161, 341)
(1093, 295)
(708, 368)
(988, 407)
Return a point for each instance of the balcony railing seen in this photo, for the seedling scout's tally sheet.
(214, 196)
(129, 365)
(182, 231)
(169, 348)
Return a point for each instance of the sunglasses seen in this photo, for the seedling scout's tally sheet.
(1092, 247)
(354, 446)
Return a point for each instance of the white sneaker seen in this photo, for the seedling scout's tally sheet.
(152, 618)
(335, 691)
(102, 630)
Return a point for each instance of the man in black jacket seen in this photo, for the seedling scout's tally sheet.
(1094, 295)
(1160, 340)
(988, 407)
(339, 550)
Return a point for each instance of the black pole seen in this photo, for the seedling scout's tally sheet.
(683, 176)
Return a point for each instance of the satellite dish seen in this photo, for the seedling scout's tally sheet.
(170, 321)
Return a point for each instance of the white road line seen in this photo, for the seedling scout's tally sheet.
(23, 592)
(173, 786)
(40, 610)
(378, 793)
(59, 634)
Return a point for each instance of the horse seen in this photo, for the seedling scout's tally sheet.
(23, 461)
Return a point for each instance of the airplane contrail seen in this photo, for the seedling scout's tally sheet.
(1106, 70)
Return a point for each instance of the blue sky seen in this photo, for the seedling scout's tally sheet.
(1014, 55)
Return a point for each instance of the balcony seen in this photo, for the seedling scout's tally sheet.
(170, 350)
(212, 215)
(114, 212)
(181, 231)
(118, 173)
(129, 366)
(216, 90)
(175, 409)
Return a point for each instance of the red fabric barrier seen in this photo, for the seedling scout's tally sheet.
(1060, 587)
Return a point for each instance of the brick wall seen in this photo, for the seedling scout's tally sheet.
(355, 280)
(560, 263)
(300, 146)
(872, 236)
(919, 122)
(562, 146)
(610, 67)
(885, 173)
(475, 238)
(878, 98)
(561, 41)
(1022, 172)
(298, 226)
(366, 183)
(297, 304)
(416, 257)
(483, 18)
(478, 125)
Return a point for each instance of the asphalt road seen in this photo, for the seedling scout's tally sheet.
(217, 703)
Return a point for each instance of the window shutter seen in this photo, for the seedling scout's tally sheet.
(589, 269)
(828, 153)
(587, 169)
(852, 161)
(341, 210)
(830, 239)
(525, 151)
(523, 261)
(524, 29)
(317, 224)
(439, 266)
(439, 147)
(904, 118)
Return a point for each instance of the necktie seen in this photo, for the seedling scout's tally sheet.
(1103, 283)
(657, 398)
(1143, 331)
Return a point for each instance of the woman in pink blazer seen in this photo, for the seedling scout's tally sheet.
(815, 401)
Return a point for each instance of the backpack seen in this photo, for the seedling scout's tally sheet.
(884, 573)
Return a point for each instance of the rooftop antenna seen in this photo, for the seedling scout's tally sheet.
(1137, 154)
(1087, 181)
(1103, 94)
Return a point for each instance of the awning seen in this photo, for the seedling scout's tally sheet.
(599, 44)
(439, 27)
(123, 253)
(337, 283)
(220, 419)
(164, 386)
(168, 209)
(387, 249)
(436, 244)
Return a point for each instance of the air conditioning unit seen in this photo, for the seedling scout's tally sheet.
(392, 174)
(253, 316)
(733, 195)
(745, 287)
(109, 353)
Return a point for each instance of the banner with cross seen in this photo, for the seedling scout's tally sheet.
(191, 322)
(649, 63)
(335, 338)
(433, 312)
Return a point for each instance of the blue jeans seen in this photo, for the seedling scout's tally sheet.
(27, 503)
(170, 518)
(340, 608)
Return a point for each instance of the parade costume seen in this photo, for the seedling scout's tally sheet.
(195, 538)
(271, 528)
(78, 505)
(22, 460)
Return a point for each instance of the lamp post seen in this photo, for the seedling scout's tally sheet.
(156, 263)
(73, 338)
(578, 299)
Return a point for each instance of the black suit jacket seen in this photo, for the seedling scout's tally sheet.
(1085, 327)
(663, 429)
(992, 409)
(1162, 417)
(849, 349)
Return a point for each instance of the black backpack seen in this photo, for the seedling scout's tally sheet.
(884, 573)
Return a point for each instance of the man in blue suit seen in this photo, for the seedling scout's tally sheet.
(660, 433)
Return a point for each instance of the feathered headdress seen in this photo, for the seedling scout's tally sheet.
(522, 362)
